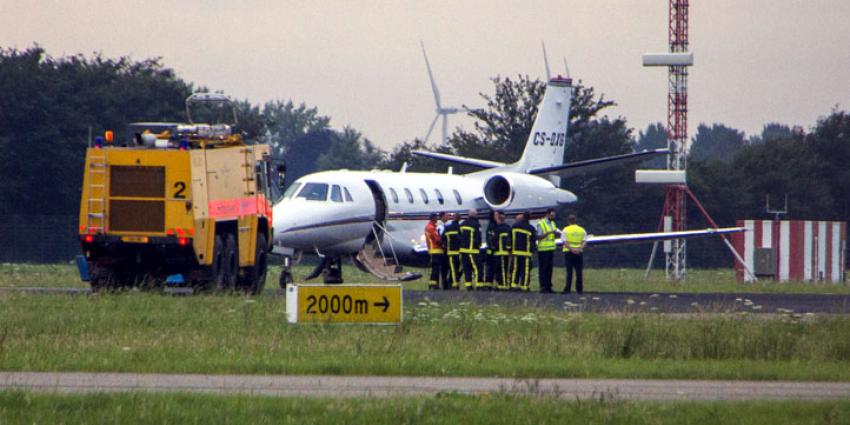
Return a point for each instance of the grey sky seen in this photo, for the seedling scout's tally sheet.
(359, 61)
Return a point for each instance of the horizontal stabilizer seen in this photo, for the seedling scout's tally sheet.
(598, 164)
(480, 163)
(660, 236)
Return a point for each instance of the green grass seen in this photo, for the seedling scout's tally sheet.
(141, 408)
(139, 332)
(602, 280)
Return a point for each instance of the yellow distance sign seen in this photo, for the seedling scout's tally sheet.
(367, 304)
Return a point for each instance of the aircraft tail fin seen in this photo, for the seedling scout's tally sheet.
(548, 137)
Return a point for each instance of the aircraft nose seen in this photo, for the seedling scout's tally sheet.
(285, 221)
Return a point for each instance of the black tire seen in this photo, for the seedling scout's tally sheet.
(231, 263)
(217, 277)
(255, 276)
(100, 279)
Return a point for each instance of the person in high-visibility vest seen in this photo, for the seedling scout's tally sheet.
(523, 244)
(451, 242)
(470, 250)
(435, 252)
(547, 231)
(575, 238)
(499, 252)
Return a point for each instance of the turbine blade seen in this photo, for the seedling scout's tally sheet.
(431, 127)
(546, 61)
(431, 76)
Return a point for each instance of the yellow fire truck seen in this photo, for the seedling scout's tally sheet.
(181, 204)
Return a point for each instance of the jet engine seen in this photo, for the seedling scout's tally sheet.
(518, 190)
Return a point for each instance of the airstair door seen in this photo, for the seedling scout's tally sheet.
(378, 256)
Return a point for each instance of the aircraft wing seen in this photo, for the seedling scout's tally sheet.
(480, 163)
(660, 236)
(597, 164)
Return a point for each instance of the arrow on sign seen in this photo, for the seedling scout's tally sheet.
(385, 304)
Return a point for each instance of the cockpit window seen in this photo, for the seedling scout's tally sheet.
(394, 194)
(439, 196)
(457, 197)
(409, 195)
(291, 190)
(424, 195)
(347, 195)
(336, 194)
(314, 192)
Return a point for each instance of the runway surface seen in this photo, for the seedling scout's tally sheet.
(650, 302)
(602, 302)
(374, 386)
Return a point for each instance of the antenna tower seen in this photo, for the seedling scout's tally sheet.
(674, 213)
(677, 128)
(677, 61)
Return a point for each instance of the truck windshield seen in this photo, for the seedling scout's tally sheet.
(314, 192)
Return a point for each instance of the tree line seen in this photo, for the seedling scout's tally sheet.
(49, 105)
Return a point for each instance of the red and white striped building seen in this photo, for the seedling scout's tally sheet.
(802, 250)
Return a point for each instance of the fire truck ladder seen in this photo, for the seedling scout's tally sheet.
(96, 202)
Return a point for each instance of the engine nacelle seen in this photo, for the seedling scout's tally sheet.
(523, 191)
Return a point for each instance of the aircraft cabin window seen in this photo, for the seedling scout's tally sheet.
(394, 195)
(424, 195)
(291, 190)
(439, 196)
(457, 197)
(409, 195)
(347, 195)
(336, 194)
(314, 192)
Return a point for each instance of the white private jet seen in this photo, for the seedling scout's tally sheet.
(378, 217)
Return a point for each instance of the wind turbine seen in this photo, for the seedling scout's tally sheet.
(441, 110)
(546, 62)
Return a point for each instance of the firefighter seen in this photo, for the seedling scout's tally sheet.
(547, 231)
(470, 249)
(435, 252)
(489, 258)
(451, 241)
(444, 259)
(498, 250)
(523, 244)
(575, 238)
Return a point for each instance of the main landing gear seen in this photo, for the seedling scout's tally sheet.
(330, 268)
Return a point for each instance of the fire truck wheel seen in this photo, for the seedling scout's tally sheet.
(255, 277)
(217, 266)
(231, 263)
(101, 279)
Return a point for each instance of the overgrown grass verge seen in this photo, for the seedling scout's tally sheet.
(150, 333)
(142, 408)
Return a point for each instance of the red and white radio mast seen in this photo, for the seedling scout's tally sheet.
(674, 214)
(677, 61)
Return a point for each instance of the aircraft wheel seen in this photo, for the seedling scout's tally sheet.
(285, 278)
(332, 273)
